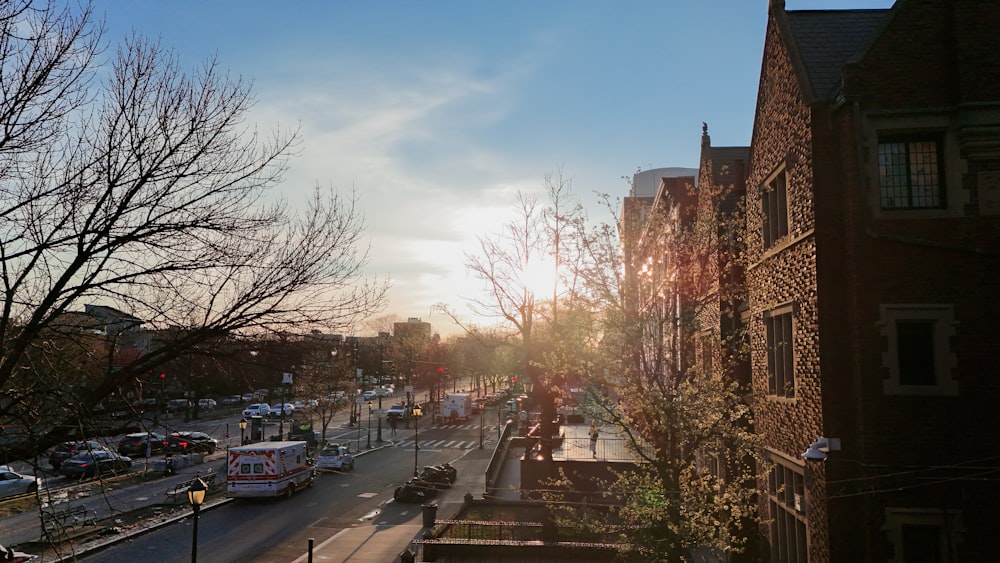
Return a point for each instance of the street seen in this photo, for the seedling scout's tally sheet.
(279, 530)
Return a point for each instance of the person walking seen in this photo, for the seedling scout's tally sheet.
(392, 425)
(593, 438)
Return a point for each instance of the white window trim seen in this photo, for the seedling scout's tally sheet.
(944, 358)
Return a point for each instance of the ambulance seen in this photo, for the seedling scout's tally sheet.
(269, 469)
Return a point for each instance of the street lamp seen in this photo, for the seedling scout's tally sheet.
(369, 445)
(378, 436)
(196, 496)
(243, 430)
(357, 405)
(482, 414)
(416, 436)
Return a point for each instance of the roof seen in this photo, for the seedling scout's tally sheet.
(827, 39)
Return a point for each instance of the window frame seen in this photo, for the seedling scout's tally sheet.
(786, 378)
(947, 521)
(775, 222)
(788, 528)
(942, 317)
(908, 140)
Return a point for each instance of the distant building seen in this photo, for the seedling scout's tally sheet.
(412, 328)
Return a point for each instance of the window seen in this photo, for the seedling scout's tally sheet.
(921, 535)
(786, 500)
(780, 352)
(910, 174)
(774, 205)
(918, 356)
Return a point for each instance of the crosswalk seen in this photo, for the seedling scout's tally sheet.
(401, 440)
(487, 428)
(440, 444)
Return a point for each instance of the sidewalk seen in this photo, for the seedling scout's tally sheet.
(380, 543)
(102, 501)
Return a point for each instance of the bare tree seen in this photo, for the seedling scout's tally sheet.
(507, 263)
(147, 192)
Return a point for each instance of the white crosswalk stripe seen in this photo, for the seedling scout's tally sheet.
(441, 444)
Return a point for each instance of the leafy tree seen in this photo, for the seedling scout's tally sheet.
(674, 385)
(141, 187)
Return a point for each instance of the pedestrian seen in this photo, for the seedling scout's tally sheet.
(392, 425)
(593, 438)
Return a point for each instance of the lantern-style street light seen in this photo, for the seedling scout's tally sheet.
(243, 431)
(416, 436)
(196, 496)
(369, 444)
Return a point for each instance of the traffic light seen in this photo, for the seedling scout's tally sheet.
(514, 380)
(441, 371)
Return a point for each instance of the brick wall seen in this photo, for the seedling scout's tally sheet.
(786, 273)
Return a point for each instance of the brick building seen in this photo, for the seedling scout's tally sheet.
(873, 222)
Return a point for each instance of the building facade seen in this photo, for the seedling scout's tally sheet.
(873, 226)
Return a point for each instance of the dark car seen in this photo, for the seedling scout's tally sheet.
(412, 492)
(89, 464)
(184, 442)
(135, 444)
(66, 450)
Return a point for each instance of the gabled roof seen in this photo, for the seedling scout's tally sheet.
(824, 40)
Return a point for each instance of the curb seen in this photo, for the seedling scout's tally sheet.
(104, 543)
(95, 546)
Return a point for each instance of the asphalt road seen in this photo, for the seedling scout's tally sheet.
(279, 530)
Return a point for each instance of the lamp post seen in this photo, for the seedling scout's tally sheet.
(243, 430)
(416, 436)
(369, 444)
(482, 414)
(378, 435)
(196, 496)
(357, 405)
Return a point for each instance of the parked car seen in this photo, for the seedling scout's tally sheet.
(90, 464)
(177, 405)
(247, 397)
(232, 400)
(257, 409)
(277, 408)
(334, 456)
(8, 555)
(184, 442)
(412, 491)
(206, 403)
(135, 444)
(13, 483)
(371, 394)
(66, 450)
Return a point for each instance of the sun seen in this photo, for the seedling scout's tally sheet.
(539, 277)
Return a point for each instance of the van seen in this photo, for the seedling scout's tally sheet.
(269, 469)
(175, 405)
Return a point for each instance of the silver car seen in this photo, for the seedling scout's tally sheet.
(13, 483)
(334, 456)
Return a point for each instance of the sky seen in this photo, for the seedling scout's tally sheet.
(436, 113)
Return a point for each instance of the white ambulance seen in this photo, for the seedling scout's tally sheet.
(269, 469)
